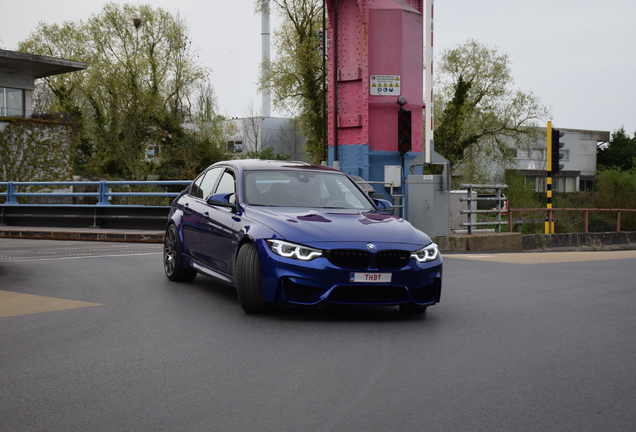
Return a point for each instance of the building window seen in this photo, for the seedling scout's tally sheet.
(566, 154)
(234, 146)
(564, 184)
(11, 102)
(586, 185)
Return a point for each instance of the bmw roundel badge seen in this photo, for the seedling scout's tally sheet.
(371, 246)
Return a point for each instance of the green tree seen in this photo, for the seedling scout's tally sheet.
(620, 152)
(296, 75)
(478, 113)
(136, 91)
(185, 155)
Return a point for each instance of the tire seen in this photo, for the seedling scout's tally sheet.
(248, 280)
(172, 258)
(412, 309)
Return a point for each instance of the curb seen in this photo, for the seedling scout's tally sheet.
(457, 243)
(85, 234)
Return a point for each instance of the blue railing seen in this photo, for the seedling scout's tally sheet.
(104, 190)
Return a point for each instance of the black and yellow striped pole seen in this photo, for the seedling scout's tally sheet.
(549, 223)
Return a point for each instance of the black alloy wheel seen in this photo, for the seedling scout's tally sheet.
(172, 258)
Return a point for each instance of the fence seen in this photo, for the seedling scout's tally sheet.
(586, 212)
(398, 200)
(103, 194)
(108, 204)
(499, 198)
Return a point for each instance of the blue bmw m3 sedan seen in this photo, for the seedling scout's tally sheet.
(292, 233)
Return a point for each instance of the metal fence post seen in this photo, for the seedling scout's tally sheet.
(470, 208)
(498, 208)
(103, 193)
(11, 193)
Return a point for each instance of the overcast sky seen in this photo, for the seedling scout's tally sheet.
(578, 56)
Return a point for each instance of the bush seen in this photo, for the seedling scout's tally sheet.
(615, 189)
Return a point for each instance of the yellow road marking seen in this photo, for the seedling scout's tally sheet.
(12, 304)
(547, 257)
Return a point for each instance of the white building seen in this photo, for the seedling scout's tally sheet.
(579, 161)
(243, 135)
(18, 72)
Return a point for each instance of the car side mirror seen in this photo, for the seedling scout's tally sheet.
(382, 204)
(223, 200)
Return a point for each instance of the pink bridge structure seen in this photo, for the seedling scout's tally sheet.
(376, 75)
(375, 51)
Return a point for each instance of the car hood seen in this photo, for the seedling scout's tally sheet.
(337, 225)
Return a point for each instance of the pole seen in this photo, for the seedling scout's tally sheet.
(428, 82)
(325, 144)
(549, 224)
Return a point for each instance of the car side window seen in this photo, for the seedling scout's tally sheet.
(207, 185)
(195, 189)
(226, 184)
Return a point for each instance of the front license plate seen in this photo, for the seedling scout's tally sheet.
(370, 277)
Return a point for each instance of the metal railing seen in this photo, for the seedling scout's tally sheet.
(398, 199)
(103, 194)
(549, 212)
(499, 198)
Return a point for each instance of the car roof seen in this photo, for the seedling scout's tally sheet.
(265, 165)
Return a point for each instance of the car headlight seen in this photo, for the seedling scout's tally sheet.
(292, 250)
(428, 253)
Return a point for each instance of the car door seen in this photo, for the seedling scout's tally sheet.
(194, 211)
(189, 220)
(218, 236)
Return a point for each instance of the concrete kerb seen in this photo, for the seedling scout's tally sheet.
(517, 242)
(500, 242)
(82, 234)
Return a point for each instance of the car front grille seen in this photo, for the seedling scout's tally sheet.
(350, 258)
(360, 259)
(368, 294)
(392, 259)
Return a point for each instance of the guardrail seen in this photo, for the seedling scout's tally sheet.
(104, 190)
(72, 207)
(398, 200)
(586, 212)
(499, 198)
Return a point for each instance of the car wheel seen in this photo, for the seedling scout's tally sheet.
(412, 309)
(248, 280)
(172, 258)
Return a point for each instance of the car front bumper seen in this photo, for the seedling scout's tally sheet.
(319, 281)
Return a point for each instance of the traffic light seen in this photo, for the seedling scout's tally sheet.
(556, 153)
(404, 131)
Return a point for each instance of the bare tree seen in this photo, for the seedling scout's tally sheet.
(252, 129)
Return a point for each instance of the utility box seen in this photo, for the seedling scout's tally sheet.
(392, 175)
(429, 205)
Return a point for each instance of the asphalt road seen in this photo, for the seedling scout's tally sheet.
(93, 337)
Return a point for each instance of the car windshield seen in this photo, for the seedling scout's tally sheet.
(288, 188)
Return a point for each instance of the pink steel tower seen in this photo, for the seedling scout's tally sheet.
(375, 53)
